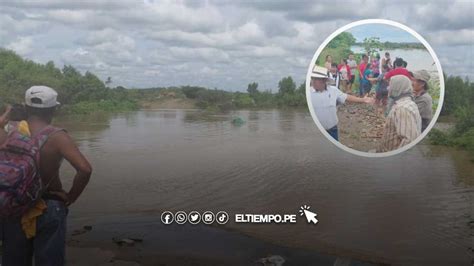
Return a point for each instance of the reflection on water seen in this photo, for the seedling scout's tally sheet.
(412, 209)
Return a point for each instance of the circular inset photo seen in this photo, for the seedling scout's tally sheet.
(375, 88)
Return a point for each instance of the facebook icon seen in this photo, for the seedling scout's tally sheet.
(167, 217)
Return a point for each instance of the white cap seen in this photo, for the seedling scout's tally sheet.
(41, 97)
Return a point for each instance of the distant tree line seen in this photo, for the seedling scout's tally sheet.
(74, 89)
(397, 45)
(459, 105)
(84, 93)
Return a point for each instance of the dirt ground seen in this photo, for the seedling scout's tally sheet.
(169, 103)
(360, 126)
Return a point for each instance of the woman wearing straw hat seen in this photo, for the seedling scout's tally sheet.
(325, 99)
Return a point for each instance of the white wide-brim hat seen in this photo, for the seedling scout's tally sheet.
(319, 72)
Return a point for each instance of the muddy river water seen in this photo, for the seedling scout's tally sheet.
(414, 208)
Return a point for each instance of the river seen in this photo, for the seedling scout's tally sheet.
(414, 208)
(417, 59)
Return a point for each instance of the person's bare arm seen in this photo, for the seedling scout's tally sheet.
(3, 122)
(71, 153)
(354, 99)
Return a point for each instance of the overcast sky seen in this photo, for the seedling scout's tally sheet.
(223, 44)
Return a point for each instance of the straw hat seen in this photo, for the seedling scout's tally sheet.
(319, 72)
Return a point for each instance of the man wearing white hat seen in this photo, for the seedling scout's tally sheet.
(47, 245)
(325, 99)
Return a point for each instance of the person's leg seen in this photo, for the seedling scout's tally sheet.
(344, 86)
(50, 240)
(333, 132)
(16, 248)
(351, 82)
(368, 88)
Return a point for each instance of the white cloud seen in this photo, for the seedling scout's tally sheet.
(207, 54)
(248, 33)
(209, 71)
(458, 37)
(11, 28)
(454, 15)
(61, 4)
(152, 72)
(224, 44)
(23, 45)
(70, 16)
(80, 52)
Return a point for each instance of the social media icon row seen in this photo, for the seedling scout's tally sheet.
(194, 217)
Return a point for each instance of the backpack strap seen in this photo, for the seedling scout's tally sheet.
(41, 137)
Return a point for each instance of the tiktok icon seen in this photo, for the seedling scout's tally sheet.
(222, 217)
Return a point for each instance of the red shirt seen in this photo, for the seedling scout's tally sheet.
(397, 71)
(349, 74)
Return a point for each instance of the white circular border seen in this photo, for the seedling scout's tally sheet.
(386, 22)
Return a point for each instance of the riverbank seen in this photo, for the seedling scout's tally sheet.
(169, 103)
(159, 244)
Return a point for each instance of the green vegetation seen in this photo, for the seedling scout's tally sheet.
(397, 45)
(372, 45)
(219, 100)
(458, 103)
(77, 92)
(338, 48)
(434, 91)
(86, 93)
(345, 39)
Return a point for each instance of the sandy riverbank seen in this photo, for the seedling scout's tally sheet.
(169, 103)
(177, 245)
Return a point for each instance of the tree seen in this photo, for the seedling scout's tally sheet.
(372, 45)
(242, 100)
(286, 86)
(108, 81)
(302, 88)
(192, 92)
(345, 40)
(252, 89)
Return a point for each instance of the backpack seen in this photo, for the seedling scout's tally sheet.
(20, 181)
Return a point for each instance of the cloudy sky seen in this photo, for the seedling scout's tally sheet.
(224, 44)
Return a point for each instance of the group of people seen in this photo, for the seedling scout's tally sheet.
(402, 95)
(38, 235)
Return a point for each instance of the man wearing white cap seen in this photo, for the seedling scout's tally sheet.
(47, 246)
(325, 99)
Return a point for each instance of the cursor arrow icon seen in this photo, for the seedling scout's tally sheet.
(310, 216)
